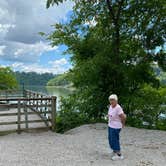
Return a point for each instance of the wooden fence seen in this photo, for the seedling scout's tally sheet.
(26, 103)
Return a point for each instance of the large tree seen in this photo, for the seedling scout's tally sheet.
(113, 43)
(7, 79)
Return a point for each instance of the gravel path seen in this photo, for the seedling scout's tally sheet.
(83, 146)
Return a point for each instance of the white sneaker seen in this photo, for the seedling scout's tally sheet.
(112, 153)
(116, 157)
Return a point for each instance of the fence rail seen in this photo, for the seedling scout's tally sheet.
(28, 103)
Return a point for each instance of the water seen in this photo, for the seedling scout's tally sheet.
(51, 91)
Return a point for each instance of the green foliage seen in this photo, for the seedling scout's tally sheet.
(59, 80)
(148, 105)
(161, 75)
(68, 118)
(113, 44)
(52, 2)
(161, 124)
(162, 78)
(7, 79)
(33, 78)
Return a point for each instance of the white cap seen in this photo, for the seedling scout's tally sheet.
(113, 96)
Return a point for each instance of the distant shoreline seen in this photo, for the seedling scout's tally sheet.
(63, 87)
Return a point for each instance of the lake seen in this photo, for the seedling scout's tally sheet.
(52, 91)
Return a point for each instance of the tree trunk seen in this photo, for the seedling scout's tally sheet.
(116, 37)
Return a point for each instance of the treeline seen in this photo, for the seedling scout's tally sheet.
(33, 78)
(59, 80)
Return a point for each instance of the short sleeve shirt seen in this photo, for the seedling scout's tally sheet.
(114, 119)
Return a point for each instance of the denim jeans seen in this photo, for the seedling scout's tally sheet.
(113, 137)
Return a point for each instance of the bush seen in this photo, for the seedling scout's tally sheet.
(147, 106)
(68, 118)
(145, 110)
(135, 122)
(161, 124)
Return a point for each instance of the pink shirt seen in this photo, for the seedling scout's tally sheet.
(113, 115)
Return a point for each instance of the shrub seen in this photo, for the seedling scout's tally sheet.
(68, 118)
(147, 106)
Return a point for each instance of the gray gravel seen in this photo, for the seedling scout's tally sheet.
(83, 146)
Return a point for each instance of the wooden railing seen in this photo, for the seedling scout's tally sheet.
(28, 103)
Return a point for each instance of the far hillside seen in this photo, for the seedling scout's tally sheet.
(33, 78)
(60, 80)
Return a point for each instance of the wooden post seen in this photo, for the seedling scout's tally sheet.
(6, 95)
(23, 90)
(24, 93)
(53, 112)
(19, 117)
(41, 102)
(37, 103)
(26, 114)
(25, 108)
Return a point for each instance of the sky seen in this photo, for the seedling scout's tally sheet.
(21, 47)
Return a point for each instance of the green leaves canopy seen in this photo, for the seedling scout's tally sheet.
(113, 44)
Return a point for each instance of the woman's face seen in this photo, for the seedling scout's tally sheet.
(113, 102)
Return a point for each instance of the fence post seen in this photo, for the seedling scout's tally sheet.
(19, 117)
(37, 103)
(25, 107)
(26, 114)
(53, 112)
(23, 90)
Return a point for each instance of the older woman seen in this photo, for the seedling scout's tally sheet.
(115, 124)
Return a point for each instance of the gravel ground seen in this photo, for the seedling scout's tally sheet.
(83, 146)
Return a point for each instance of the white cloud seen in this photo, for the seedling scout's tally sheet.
(31, 17)
(33, 49)
(57, 67)
(2, 48)
(5, 27)
(17, 64)
(20, 43)
(16, 51)
(55, 63)
(2, 13)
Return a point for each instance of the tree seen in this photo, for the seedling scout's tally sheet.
(59, 80)
(7, 79)
(113, 44)
(33, 78)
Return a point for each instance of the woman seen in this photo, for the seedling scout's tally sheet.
(115, 124)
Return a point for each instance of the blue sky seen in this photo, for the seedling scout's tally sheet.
(21, 47)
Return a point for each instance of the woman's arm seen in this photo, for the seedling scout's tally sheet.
(123, 118)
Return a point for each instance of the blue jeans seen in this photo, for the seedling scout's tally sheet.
(113, 137)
